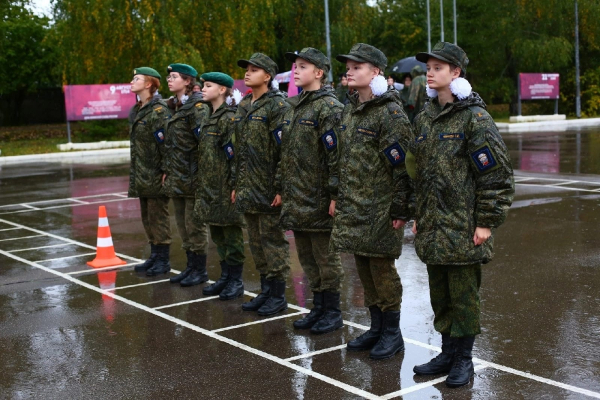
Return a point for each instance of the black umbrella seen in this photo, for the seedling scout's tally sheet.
(406, 65)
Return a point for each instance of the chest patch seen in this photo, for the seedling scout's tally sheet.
(395, 154)
(368, 132)
(213, 133)
(260, 118)
(159, 135)
(308, 122)
(229, 151)
(483, 158)
(329, 140)
(286, 121)
(452, 136)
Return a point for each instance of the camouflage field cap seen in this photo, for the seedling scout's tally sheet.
(261, 61)
(147, 71)
(182, 69)
(448, 52)
(313, 56)
(362, 52)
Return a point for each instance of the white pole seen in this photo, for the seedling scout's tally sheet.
(454, 6)
(328, 40)
(428, 29)
(442, 18)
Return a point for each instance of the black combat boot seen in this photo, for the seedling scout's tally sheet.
(442, 363)
(258, 301)
(161, 263)
(276, 301)
(332, 319)
(391, 341)
(146, 265)
(462, 366)
(198, 274)
(235, 286)
(220, 284)
(188, 269)
(367, 340)
(314, 315)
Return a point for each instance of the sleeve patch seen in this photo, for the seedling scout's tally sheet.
(329, 140)
(229, 150)
(308, 122)
(159, 135)
(260, 118)
(484, 159)
(277, 134)
(395, 154)
(452, 136)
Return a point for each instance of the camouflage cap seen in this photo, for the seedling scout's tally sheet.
(313, 56)
(362, 52)
(146, 71)
(447, 52)
(182, 69)
(261, 61)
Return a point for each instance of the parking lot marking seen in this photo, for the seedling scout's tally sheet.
(315, 353)
(67, 205)
(28, 206)
(186, 302)
(559, 187)
(260, 321)
(41, 247)
(78, 201)
(91, 196)
(19, 238)
(66, 258)
(141, 284)
(94, 270)
(8, 229)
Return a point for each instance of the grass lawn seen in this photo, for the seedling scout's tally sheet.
(36, 146)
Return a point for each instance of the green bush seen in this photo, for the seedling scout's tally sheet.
(95, 131)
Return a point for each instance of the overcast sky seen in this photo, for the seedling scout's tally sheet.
(42, 7)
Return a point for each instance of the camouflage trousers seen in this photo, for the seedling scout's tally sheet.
(270, 250)
(454, 293)
(323, 269)
(194, 236)
(156, 220)
(230, 243)
(380, 281)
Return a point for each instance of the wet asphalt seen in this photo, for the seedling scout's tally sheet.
(68, 331)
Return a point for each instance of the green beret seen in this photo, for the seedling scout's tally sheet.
(219, 78)
(146, 71)
(182, 69)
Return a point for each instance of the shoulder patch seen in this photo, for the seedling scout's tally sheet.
(479, 112)
(159, 109)
(484, 159)
(309, 122)
(277, 134)
(229, 150)
(395, 111)
(281, 103)
(159, 135)
(329, 140)
(395, 154)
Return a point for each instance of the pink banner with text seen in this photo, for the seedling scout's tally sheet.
(539, 86)
(87, 102)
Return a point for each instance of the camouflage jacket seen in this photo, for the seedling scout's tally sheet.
(418, 95)
(374, 187)
(182, 147)
(463, 180)
(215, 159)
(147, 137)
(307, 175)
(341, 93)
(404, 93)
(258, 132)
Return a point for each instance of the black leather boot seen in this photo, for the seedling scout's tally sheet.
(161, 263)
(367, 340)
(314, 315)
(276, 301)
(258, 301)
(442, 363)
(149, 262)
(462, 366)
(198, 274)
(188, 269)
(391, 341)
(332, 318)
(220, 284)
(235, 286)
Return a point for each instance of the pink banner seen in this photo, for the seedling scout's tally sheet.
(539, 86)
(87, 102)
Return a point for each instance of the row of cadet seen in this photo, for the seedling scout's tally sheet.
(344, 179)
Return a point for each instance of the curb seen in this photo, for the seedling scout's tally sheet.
(547, 126)
(83, 157)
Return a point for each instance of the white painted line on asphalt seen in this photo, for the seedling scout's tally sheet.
(185, 324)
(314, 353)
(120, 195)
(141, 284)
(558, 187)
(78, 201)
(186, 302)
(227, 328)
(19, 238)
(65, 258)
(565, 183)
(67, 205)
(63, 199)
(522, 179)
(41, 247)
(422, 385)
(94, 270)
(8, 229)
(28, 206)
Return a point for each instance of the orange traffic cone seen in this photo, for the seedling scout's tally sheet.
(105, 251)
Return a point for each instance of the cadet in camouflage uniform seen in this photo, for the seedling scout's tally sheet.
(258, 123)
(147, 121)
(341, 91)
(373, 193)
(404, 94)
(464, 187)
(182, 170)
(213, 194)
(307, 181)
(417, 95)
